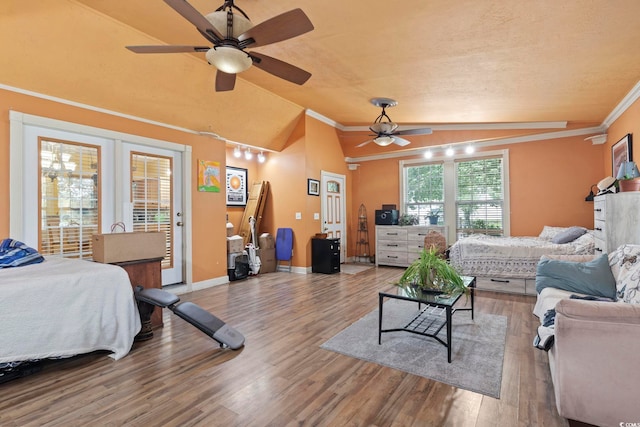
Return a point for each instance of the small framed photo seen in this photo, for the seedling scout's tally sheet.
(236, 186)
(313, 187)
(620, 153)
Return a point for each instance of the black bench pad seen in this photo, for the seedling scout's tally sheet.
(157, 297)
(210, 325)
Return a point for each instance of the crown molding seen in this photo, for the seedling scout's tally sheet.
(324, 119)
(482, 143)
(472, 126)
(626, 102)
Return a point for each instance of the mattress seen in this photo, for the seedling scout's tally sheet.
(63, 307)
(510, 257)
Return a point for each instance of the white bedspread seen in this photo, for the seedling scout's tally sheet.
(510, 257)
(64, 307)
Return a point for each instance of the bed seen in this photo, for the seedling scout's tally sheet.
(508, 264)
(63, 307)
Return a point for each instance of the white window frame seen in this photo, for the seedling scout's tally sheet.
(450, 185)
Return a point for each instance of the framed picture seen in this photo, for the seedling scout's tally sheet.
(209, 176)
(620, 152)
(236, 186)
(313, 187)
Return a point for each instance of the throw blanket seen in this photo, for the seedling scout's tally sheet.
(15, 254)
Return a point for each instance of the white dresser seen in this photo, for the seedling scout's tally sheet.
(616, 220)
(401, 245)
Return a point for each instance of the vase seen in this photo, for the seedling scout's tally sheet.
(632, 184)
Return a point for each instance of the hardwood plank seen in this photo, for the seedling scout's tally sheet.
(282, 376)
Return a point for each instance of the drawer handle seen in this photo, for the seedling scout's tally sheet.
(499, 281)
(392, 234)
(391, 256)
(598, 249)
(394, 246)
(598, 229)
(598, 210)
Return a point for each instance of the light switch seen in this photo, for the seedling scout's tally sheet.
(316, 215)
(298, 215)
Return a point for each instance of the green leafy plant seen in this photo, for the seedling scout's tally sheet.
(406, 219)
(432, 272)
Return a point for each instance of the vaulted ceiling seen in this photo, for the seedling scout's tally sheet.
(444, 61)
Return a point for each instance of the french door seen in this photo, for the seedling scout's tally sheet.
(75, 184)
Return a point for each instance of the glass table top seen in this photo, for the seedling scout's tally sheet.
(430, 296)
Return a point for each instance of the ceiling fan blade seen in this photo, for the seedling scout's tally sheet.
(364, 143)
(196, 18)
(225, 81)
(400, 141)
(423, 131)
(279, 68)
(282, 27)
(167, 49)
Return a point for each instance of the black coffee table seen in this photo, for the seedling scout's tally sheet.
(436, 314)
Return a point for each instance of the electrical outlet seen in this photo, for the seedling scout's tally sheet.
(298, 215)
(316, 215)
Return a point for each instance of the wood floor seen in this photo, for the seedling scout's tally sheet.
(281, 377)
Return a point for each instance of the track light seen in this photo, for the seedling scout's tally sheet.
(428, 154)
(247, 154)
(236, 152)
(470, 149)
(449, 152)
(261, 157)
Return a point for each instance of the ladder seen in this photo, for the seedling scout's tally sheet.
(362, 240)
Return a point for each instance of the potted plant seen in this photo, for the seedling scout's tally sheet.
(406, 219)
(433, 217)
(431, 272)
(628, 177)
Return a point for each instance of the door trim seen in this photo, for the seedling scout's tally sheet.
(17, 123)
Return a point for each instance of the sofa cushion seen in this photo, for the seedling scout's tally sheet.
(589, 278)
(568, 235)
(625, 266)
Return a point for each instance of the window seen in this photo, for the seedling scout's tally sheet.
(69, 203)
(479, 197)
(470, 194)
(424, 191)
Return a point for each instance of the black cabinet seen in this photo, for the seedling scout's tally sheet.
(325, 256)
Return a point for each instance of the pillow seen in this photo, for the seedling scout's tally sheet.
(625, 264)
(568, 235)
(590, 278)
(549, 232)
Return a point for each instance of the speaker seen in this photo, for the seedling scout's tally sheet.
(387, 217)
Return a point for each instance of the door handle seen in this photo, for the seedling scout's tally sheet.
(179, 223)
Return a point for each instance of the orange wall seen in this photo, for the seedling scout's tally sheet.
(208, 210)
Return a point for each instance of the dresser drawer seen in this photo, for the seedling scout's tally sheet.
(395, 233)
(391, 246)
(392, 258)
(600, 245)
(599, 210)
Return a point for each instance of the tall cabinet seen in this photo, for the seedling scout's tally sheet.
(616, 220)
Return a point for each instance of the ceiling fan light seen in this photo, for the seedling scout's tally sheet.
(384, 127)
(384, 140)
(219, 21)
(228, 59)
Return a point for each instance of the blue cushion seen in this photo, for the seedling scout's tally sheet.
(590, 278)
(568, 235)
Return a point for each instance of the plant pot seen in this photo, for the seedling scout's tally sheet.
(632, 184)
(433, 220)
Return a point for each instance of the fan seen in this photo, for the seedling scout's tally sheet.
(231, 33)
(385, 132)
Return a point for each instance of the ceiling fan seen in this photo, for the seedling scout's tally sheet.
(385, 132)
(232, 33)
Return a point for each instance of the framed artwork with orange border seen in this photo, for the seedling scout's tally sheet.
(237, 192)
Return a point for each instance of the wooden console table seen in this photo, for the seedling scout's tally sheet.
(148, 273)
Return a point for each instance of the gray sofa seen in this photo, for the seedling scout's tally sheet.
(595, 355)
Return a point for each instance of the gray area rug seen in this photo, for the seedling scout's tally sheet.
(476, 357)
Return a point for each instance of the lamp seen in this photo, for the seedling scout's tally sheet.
(228, 59)
(591, 195)
(383, 141)
(628, 170)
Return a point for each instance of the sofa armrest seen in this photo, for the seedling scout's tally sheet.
(594, 361)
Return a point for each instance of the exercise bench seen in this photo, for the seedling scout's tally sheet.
(211, 325)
